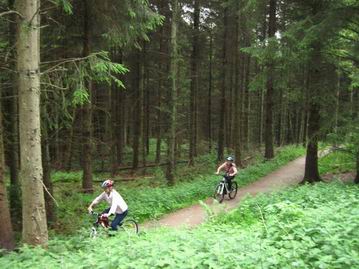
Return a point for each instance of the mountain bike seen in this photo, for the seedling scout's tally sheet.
(128, 225)
(222, 189)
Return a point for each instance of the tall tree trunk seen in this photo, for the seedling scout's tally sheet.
(159, 104)
(142, 105)
(316, 66)
(246, 103)
(6, 232)
(279, 128)
(311, 162)
(194, 84)
(160, 72)
(209, 110)
(269, 150)
(311, 173)
(28, 58)
(306, 110)
(87, 132)
(120, 108)
(116, 103)
(137, 122)
(173, 95)
(46, 162)
(221, 136)
(15, 193)
(356, 180)
(237, 107)
(112, 104)
(147, 105)
(70, 142)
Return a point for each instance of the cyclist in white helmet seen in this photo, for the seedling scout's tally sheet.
(231, 170)
(118, 206)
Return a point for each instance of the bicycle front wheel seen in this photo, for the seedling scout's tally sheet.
(130, 226)
(219, 193)
(232, 194)
(93, 232)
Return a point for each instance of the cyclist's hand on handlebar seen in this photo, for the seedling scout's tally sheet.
(90, 210)
(217, 173)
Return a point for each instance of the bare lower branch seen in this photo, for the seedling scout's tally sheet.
(9, 12)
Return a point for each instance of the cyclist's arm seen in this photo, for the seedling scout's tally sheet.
(220, 168)
(96, 201)
(235, 171)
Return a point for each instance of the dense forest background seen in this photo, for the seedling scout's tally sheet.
(127, 85)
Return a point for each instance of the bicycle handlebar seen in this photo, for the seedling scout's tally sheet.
(94, 213)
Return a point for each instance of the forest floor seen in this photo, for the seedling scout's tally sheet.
(288, 175)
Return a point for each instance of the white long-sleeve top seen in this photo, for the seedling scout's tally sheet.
(115, 200)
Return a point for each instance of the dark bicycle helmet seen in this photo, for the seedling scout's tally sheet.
(107, 183)
(230, 158)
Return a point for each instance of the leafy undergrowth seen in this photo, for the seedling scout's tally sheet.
(337, 162)
(304, 227)
(149, 203)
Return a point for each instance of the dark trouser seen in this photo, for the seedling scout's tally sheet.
(117, 220)
(229, 181)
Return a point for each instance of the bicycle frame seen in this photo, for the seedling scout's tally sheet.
(223, 185)
(104, 223)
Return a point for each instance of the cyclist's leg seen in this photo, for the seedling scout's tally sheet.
(118, 219)
(229, 180)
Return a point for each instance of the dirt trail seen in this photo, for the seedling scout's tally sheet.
(288, 175)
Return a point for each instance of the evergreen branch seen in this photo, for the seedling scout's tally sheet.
(69, 60)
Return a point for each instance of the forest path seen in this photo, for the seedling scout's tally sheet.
(288, 175)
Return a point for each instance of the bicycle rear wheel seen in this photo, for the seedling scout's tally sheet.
(232, 194)
(219, 193)
(130, 226)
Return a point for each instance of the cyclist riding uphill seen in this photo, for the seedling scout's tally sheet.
(231, 170)
(118, 206)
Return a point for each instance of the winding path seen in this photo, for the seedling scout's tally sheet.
(290, 174)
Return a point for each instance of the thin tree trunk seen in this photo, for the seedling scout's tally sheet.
(119, 114)
(209, 111)
(279, 126)
(142, 105)
(138, 116)
(237, 108)
(159, 104)
(6, 231)
(112, 104)
(194, 84)
(356, 180)
(46, 163)
(269, 150)
(246, 104)
(70, 141)
(14, 194)
(147, 111)
(162, 75)
(261, 121)
(87, 132)
(173, 96)
(221, 136)
(28, 58)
